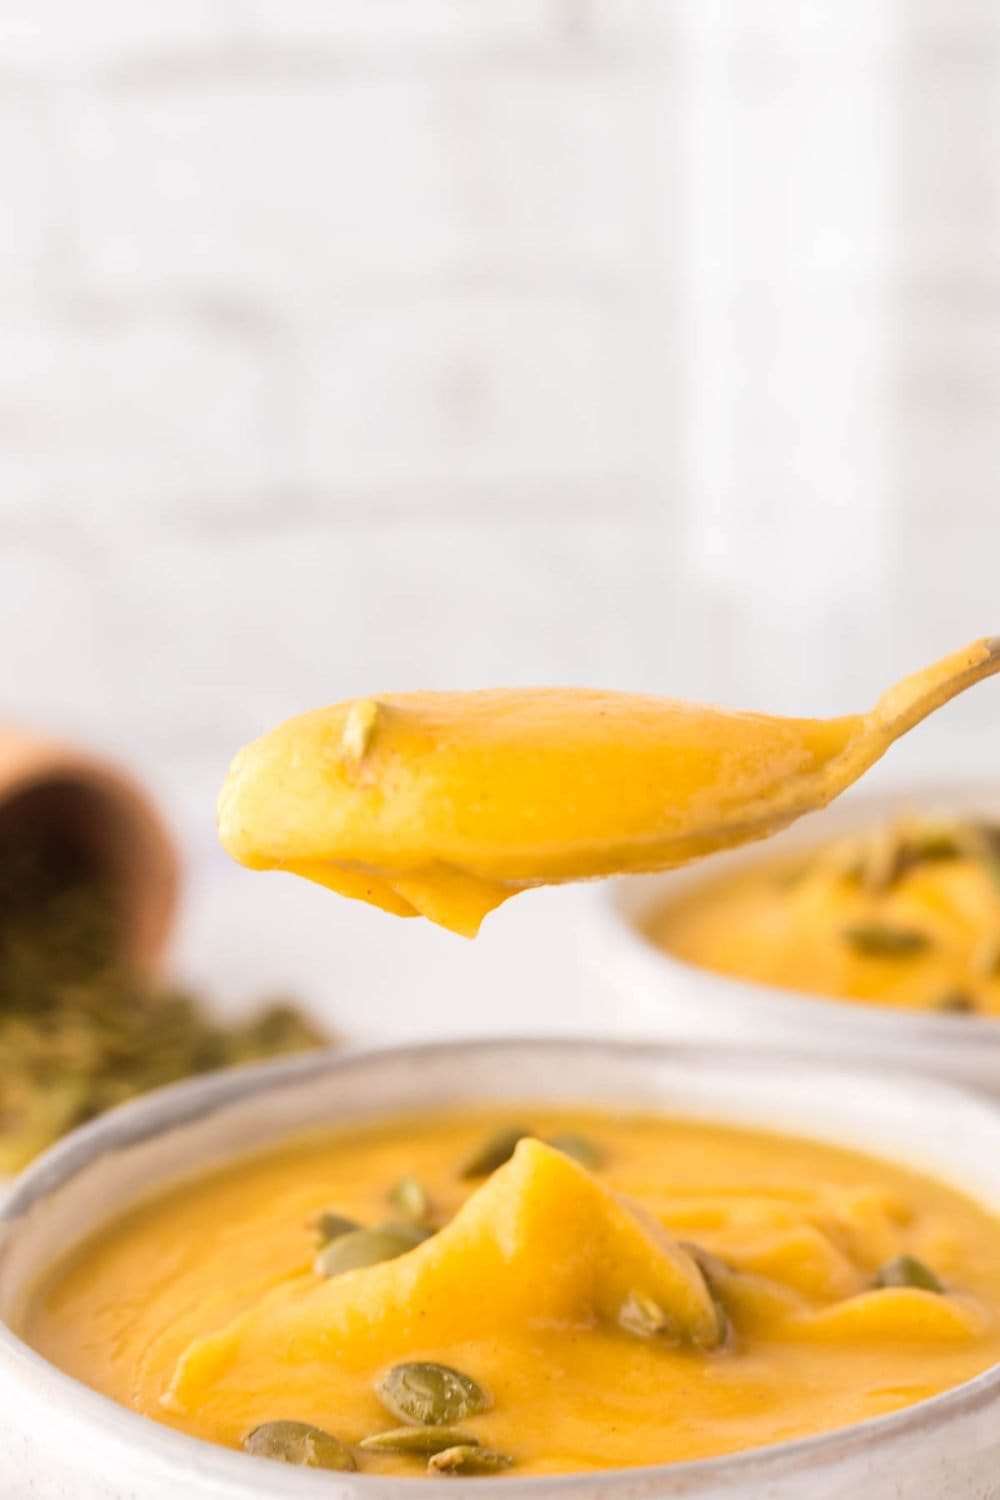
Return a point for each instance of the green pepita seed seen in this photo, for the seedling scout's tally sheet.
(361, 1247)
(330, 1226)
(82, 1028)
(876, 940)
(415, 1233)
(907, 1270)
(724, 1327)
(715, 1271)
(885, 859)
(579, 1147)
(712, 1267)
(298, 1443)
(494, 1151)
(468, 1460)
(955, 1002)
(422, 1441)
(645, 1318)
(410, 1200)
(931, 844)
(983, 843)
(430, 1395)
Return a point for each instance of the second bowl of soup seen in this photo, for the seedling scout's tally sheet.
(873, 929)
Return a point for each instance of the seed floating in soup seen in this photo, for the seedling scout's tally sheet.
(690, 1290)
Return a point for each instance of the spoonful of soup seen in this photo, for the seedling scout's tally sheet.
(444, 805)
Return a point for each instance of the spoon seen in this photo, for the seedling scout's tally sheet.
(446, 804)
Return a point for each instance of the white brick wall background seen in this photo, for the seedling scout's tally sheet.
(349, 344)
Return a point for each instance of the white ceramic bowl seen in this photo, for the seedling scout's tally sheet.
(669, 997)
(62, 1441)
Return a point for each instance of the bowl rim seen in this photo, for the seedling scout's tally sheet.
(232, 1473)
(617, 934)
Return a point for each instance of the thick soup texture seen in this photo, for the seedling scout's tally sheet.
(602, 1291)
(907, 915)
(445, 805)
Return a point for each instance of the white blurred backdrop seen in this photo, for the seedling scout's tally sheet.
(358, 344)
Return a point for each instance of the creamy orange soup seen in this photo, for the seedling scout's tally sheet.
(445, 805)
(611, 1291)
(907, 915)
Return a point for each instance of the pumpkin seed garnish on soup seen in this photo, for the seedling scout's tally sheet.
(410, 1199)
(422, 1441)
(494, 1151)
(429, 1394)
(468, 1460)
(907, 1270)
(880, 940)
(580, 1147)
(361, 1247)
(298, 1443)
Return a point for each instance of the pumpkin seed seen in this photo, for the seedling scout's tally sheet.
(724, 1328)
(298, 1443)
(409, 1198)
(907, 1270)
(361, 1247)
(466, 1459)
(956, 1002)
(932, 843)
(494, 1151)
(330, 1226)
(644, 1317)
(893, 851)
(983, 843)
(712, 1267)
(423, 1441)
(715, 1271)
(579, 1148)
(885, 859)
(877, 940)
(425, 1394)
(362, 720)
(415, 1233)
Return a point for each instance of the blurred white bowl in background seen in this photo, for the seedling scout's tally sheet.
(663, 995)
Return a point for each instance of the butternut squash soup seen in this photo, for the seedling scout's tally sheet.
(906, 916)
(532, 1292)
(446, 804)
